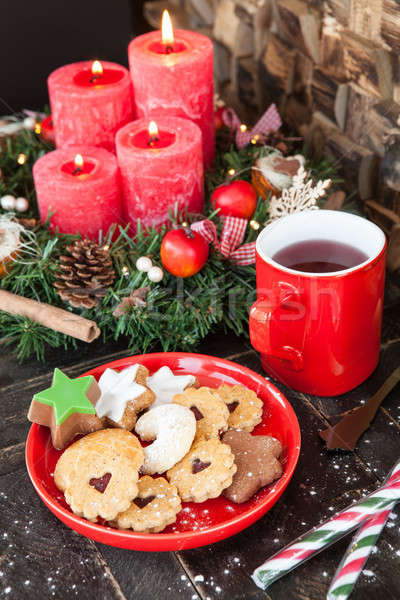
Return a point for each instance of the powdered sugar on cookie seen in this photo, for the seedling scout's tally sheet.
(174, 428)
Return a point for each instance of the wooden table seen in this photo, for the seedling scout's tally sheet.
(41, 558)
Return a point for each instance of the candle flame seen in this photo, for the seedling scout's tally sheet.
(97, 68)
(78, 160)
(153, 129)
(167, 31)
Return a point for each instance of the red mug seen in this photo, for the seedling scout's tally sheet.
(319, 333)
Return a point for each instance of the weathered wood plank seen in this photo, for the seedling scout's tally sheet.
(40, 557)
(149, 575)
(300, 25)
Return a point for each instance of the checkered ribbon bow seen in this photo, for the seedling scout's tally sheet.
(270, 121)
(233, 231)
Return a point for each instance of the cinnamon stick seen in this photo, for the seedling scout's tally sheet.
(49, 316)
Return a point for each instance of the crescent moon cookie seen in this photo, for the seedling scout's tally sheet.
(204, 472)
(244, 406)
(209, 409)
(164, 384)
(98, 474)
(68, 408)
(155, 506)
(173, 428)
(124, 395)
(256, 457)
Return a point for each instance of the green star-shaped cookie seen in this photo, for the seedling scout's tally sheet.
(67, 408)
(67, 396)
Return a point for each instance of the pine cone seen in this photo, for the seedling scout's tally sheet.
(85, 275)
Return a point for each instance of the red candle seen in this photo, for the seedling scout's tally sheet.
(89, 103)
(161, 164)
(80, 185)
(173, 75)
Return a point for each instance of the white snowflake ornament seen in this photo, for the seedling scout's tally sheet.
(302, 195)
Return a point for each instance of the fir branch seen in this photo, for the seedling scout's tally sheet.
(179, 312)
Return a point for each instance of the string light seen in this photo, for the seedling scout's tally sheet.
(21, 160)
(38, 128)
(125, 271)
(254, 224)
(106, 247)
(243, 128)
(231, 172)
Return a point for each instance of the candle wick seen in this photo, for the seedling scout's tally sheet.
(169, 49)
(93, 78)
(152, 140)
(76, 171)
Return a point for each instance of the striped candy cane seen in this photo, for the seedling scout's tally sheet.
(326, 534)
(359, 550)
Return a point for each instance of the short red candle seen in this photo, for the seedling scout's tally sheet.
(156, 176)
(175, 80)
(89, 108)
(83, 199)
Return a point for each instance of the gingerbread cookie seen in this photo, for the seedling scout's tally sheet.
(155, 506)
(98, 474)
(209, 409)
(173, 428)
(256, 457)
(164, 384)
(68, 408)
(204, 472)
(123, 396)
(245, 408)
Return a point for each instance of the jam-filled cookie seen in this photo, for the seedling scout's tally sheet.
(124, 395)
(98, 474)
(209, 409)
(245, 408)
(155, 506)
(204, 472)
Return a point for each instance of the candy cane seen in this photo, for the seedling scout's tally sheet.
(329, 532)
(358, 552)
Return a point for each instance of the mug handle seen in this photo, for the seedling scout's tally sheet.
(262, 314)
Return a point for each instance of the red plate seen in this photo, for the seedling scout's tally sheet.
(197, 524)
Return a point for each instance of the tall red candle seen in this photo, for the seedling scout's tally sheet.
(80, 185)
(89, 102)
(159, 169)
(175, 79)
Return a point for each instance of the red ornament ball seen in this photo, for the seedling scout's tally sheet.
(183, 252)
(236, 199)
(218, 120)
(47, 130)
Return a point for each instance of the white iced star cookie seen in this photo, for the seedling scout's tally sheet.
(124, 395)
(164, 384)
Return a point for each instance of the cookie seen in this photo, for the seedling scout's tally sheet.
(155, 506)
(256, 457)
(164, 384)
(209, 409)
(204, 472)
(173, 428)
(98, 474)
(68, 408)
(245, 408)
(124, 395)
